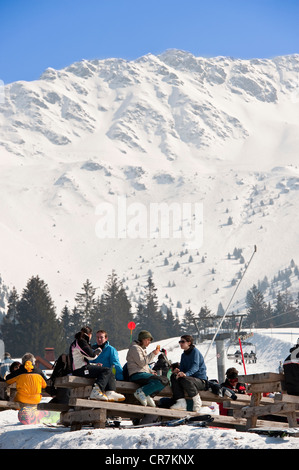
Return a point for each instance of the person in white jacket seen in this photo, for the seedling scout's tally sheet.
(81, 353)
(139, 371)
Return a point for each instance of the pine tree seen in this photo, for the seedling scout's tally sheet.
(66, 325)
(75, 324)
(149, 316)
(285, 311)
(86, 302)
(115, 312)
(220, 310)
(172, 324)
(189, 322)
(10, 326)
(256, 308)
(204, 317)
(38, 325)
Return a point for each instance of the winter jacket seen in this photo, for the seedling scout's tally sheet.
(5, 367)
(138, 360)
(109, 357)
(192, 364)
(29, 385)
(162, 365)
(81, 353)
(238, 388)
(291, 371)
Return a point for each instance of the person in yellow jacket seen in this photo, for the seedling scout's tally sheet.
(29, 381)
(29, 384)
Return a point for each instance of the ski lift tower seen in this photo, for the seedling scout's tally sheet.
(220, 339)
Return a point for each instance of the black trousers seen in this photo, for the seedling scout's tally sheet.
(104, 376)
(190, 385)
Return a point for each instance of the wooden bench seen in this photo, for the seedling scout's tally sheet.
(280, 404)
(80, 410)
(7, 395)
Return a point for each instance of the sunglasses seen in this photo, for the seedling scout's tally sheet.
(182, 341)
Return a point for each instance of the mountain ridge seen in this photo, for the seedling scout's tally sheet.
(170, 128)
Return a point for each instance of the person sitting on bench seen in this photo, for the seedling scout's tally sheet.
(81, 353)
(190, 377)
(139, 371)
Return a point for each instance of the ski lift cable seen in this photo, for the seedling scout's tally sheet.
(276, 316)
(226, 310)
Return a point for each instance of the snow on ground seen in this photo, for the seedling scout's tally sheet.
(272, 346)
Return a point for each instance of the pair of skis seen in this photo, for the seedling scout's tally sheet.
(197, 421)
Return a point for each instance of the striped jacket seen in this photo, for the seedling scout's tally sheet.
(291, 371)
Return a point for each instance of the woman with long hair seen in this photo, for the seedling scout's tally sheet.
(81, 353)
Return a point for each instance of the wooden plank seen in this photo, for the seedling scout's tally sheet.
(292, 419)
(76, 419)
(117, 408)
(132, 411)
(53, 406)
(253, 411)
(284, 397)
(81, 392)
(261, 378)
(255, 401)
(244, 400)
(9, 405)
(124, 387)
(6, 385)
(268, 387)
(70, 381)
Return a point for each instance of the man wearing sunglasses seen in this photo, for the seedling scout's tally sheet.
(190, 377)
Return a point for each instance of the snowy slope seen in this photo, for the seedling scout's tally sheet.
(172, 128)
(272, 346)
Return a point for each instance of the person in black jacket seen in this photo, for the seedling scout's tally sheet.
(163, 365)
(291, 370)
(232, 381)
(81, 353)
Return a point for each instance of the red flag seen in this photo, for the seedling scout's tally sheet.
(131, 325)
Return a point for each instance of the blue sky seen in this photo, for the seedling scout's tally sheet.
(36, 34)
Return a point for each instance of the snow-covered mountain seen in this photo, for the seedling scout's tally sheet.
(111, 138)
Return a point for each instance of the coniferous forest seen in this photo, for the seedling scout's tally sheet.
(32, 324)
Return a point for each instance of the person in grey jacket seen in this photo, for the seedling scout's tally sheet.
(139, 371)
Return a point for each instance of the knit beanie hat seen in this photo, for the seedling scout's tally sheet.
(144, 335)
(232, 373)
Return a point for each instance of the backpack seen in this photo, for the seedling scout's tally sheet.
(61, 368)
(126, 373)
